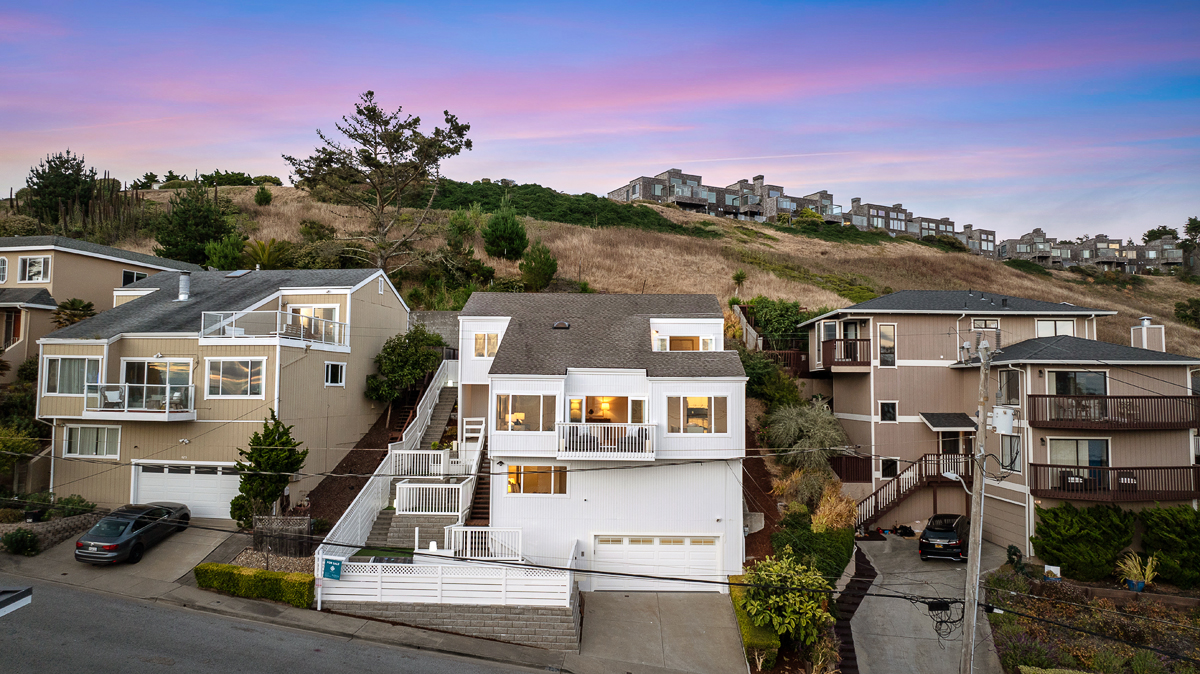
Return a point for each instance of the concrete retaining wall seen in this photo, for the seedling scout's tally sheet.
(56, 531)
(555, 629)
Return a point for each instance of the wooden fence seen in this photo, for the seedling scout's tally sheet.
(283, 536)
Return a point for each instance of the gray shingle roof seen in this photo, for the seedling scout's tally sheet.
(1063, 349)
(211, 291)
(957, 301)
(607, 331)
(94, 248)
(948, 421)
(24, 296)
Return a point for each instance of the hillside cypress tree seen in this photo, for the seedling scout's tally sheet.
(538, 268)
(504, 236)
(60, 180)
(192, 222)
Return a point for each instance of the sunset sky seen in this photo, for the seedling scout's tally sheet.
(1080, 118)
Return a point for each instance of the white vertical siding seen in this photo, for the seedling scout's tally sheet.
(716, 445)
(475, 370)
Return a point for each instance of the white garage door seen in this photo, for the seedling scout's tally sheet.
(206, 490)
(674, 556)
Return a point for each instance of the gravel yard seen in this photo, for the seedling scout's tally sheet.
(258, 560)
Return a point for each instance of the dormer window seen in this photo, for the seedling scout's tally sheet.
(684, 343)
(486, 344)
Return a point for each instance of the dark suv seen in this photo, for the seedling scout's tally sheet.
(945, 536)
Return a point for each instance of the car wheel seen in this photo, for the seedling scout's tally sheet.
(135, 554)
(183, 523)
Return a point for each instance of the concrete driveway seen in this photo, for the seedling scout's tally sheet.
(892, 636)
(165, 566)
(663, 631)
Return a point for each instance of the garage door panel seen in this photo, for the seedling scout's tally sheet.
(206, 494)
(674, 557)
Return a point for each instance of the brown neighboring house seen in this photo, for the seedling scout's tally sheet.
(1070, 417)
(37, 272)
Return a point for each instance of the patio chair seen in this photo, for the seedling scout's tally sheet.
(114, 399)
(1127, 480)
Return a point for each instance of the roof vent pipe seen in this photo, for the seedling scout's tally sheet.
(185, 285)
(1145, 321)
(1004, 302)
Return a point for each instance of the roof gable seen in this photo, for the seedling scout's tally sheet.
(92, 249)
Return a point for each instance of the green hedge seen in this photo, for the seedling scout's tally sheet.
(830, 551)
(1085, 542)
(754, 637)
(297, 589)
(1174, 535)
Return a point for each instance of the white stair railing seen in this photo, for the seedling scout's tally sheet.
(484, 543)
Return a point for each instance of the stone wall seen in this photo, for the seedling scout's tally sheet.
(555, 629)
(56, 531)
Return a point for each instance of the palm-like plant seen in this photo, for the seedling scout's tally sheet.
(265, 254)
(739, 278)
(70, 312)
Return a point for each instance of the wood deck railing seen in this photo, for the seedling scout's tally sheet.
(1093, 483)
(794, 362)
(845, 352)
(928, 469)
(1135, 413)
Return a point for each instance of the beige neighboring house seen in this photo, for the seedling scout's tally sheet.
(1070, 418)
(151, 399)
(37, 272)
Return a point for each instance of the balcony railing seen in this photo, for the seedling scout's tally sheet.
(836, 352)
(148, 401)
(1094, 483)
(606, 442)
(272, 324)
(484, 543)
(1133, 413)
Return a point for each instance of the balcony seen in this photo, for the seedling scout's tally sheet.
(846, 355)
(1095, 483)
(272, 325)
(606, 442)
(1117, 413)
(140, 402)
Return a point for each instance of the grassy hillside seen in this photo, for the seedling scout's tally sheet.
(826, 271)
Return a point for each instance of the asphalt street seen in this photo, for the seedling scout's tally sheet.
(71, 630)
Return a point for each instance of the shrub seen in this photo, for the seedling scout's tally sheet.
(539, 267)
(829, 551)
(767, 381)
(1085, 542)
(761, 643)
(18, 225)
(312, 231)
(262, 196)
(193, 220)
(21, 542)
(27, 371)
(777, 598)
(267, 180)
(69, 506)
(297, 589)
(1028, 267)
(504, 236)
(835, 511)
(11, 515)
(174, 184)
(1173, 535)
(1108, 662)
(1188, 312)
(1147, 662)
(225, 254)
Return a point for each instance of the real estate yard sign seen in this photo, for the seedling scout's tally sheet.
(333, 569)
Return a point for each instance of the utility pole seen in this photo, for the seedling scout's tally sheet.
(975, 535)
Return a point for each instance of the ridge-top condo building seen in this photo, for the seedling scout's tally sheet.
(745, 199)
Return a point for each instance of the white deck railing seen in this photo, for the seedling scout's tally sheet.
(434, 499)
(484, 543)
(450, 584)
(273, 324)
(606, 442)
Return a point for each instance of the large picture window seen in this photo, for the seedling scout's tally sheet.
(101, 441)
(33, 269)
(152, 384)
(537, 480)
(1075, 452)
(486, 344)
(1078, 383)
(1055, 328)
(698, 414)
(235, 378)
(70, 376)
(1010, 452)
(525, 412)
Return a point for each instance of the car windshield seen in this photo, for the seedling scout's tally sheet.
(942, 522)
(109, 528)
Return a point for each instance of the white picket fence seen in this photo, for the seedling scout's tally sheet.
(450, 584)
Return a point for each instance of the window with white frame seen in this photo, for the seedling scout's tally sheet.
(33, 269)
(102, 441)
(887, 345)
(3, 270)
(380, 283)
(985, 324)
(887, 411)
(1055, 328)
(697, 414)
(537, 480)
(888, 468)
(128, 276)
(486, 344)
(70, 376)
(1079, 452)
(1010, 453)
(534, 412)
(1078, 383)
(240, 378)
(335, 374)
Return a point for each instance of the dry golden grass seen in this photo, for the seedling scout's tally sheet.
(632, 261)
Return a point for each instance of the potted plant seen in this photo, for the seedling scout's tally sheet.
(1134, 574)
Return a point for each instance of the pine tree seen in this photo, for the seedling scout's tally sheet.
(191, 223)
(504, 236)
(538, 268)
(264, 467)
(60, 181)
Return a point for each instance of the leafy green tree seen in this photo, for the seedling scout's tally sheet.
(70, 312)
(384, 157)
(146, 182)
(788, 597)
(1173, 535)
(1189, 243)
(262, 196)
(1158, 233)
(225, 254)
(272, 450)
(776, 321)
(403, 361)
(16, 440)
(226, 179)
(191, 223)
(59, 180)
(538, 268)
(504, 236)
(312, 231)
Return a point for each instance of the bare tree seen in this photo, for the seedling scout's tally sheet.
(383, 158)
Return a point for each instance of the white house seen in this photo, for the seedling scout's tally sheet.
(614, 421)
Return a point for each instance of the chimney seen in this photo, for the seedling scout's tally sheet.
(856, 202)
(1147, 336)
(185, 285)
